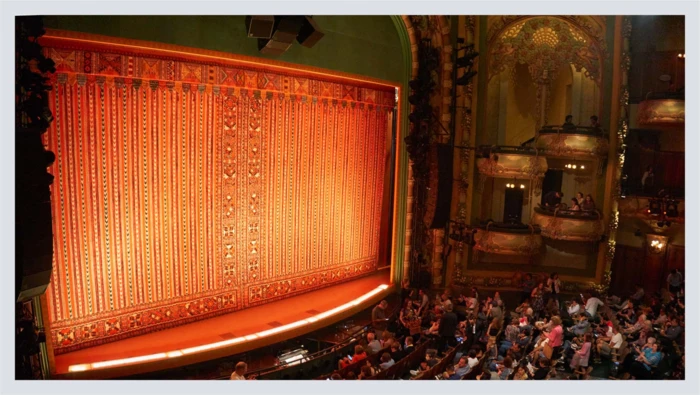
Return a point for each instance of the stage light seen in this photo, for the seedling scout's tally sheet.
(582, 167)
(210, 346)
(415, 99)
(465, 78)
(522, 186)
(574, 167)
(128, 361)
(466, 60)
(415, 85)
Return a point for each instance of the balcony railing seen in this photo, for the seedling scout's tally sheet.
(569, 225)
(572, 142)
(508, 239)
(511, 162)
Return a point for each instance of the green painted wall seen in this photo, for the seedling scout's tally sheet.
(365, 45)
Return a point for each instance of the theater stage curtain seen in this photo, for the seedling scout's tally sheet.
(185, 190)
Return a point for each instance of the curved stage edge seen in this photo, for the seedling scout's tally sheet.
(226, 335)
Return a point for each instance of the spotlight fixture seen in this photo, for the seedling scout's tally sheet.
(465, 78)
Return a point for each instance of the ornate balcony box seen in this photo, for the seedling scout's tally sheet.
(574, 142)
(662, 112)
(586, 226)
(512, 162)
(506, 239)
(638, 207)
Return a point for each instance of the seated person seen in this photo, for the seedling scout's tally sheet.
(645, 361)
(582, 325)
(636, 328)
(365, 372)
(462, 367)
(373, 345)
(386, 361)
(472, 358)
(396, 353)
(671, 332)
(628, 314)
(431, 357)
(544, 370)
(574, 308)
(505, 369)
(450, 373)
(605, 347)
(423, 367)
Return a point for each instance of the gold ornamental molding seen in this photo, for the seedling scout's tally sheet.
(638, 207)
(662, 112)
(575, 142)
(503, 241)
(507, 165)
(569, 225)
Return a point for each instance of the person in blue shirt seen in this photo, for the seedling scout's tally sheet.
(581, 327)
(462, 367)
(648, 359)
(450, 373)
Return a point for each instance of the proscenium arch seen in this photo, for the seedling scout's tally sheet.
(409, 41)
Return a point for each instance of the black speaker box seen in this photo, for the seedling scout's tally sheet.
(259, 26)
(309, 34)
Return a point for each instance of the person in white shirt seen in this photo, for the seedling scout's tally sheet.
(239, 373)
(605, 348)
(592, 305)
(472, 360)
(574, 308)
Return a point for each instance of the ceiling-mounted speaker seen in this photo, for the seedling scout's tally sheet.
(259, 26)
(309, 34)
(284, 33)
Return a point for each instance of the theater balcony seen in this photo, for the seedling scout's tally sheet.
(508, 239)
(572, 143)
(662, 109)
(511, 162)
(585, 226)
(653, 209)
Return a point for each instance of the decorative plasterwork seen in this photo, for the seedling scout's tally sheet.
(545, 44)
(507, 243)
(513, 166)
(662, 112)
(572, 145)
(567, 228)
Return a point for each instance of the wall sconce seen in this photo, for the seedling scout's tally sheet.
(657, 244)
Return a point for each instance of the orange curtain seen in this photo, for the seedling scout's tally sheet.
(175, 199)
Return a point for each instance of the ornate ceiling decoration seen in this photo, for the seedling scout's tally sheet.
(545, 44)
